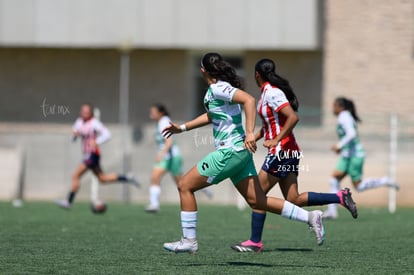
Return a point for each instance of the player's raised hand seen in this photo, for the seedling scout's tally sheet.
(170, 130)
(336, 149)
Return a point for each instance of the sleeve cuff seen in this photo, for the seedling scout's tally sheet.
(282, 106)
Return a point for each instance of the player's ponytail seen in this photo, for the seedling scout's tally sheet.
(348, 105)
(219, 69)
(267, 71)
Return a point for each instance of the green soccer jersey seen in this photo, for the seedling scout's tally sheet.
(348, 136)
(225, 115)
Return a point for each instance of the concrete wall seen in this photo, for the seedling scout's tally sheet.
(282, 24)
(369, 55)
(12, 174)
(51, 158)
(303, 70)
(49, 85)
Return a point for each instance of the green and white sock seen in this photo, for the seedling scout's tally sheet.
(372, 183)
(293, 212)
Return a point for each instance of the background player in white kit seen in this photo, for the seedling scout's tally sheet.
(93, 133)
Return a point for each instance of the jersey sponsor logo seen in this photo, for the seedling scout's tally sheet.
(228, 89)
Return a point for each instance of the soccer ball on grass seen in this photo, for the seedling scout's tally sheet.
(98, 207)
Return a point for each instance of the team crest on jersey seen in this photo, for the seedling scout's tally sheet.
(207, 99)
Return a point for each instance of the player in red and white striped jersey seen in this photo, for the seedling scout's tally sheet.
(270, 106)
(92, 133)
(277, 107)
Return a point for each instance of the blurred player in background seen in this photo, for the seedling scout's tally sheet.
(352, 154)
(93, 133)
(233, 156)
(277, 108)
(168, 158)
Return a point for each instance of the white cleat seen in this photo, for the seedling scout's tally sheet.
(131, 179)
(316, 225)
(63, 204)
(392, 184)
(330, 215)
(182, 246)
(152, 209)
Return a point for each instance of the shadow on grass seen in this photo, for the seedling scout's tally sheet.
(248, 264)
(232, 264)
(288, 250)
(251, 264)
(270, 265)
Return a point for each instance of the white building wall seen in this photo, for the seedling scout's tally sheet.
(236, 24)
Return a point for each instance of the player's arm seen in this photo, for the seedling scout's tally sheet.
(249, 104)
(259, 134)
(103, 133)
(199, 121)
(164, 151)
(291, 120)
(347, 124)
(75, 129)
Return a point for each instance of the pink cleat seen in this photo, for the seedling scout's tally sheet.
(346, 200)
(248, 246)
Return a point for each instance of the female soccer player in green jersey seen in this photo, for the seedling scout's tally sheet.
(168, 158)
(233, 156)
(352, 154)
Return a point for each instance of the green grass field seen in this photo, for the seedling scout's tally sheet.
(39, 238)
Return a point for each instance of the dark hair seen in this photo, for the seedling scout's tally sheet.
(267, 70)
(348, 105)
(161, 108)
(219, 69)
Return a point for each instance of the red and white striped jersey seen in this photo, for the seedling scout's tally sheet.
(91, 130)
(272, 100)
